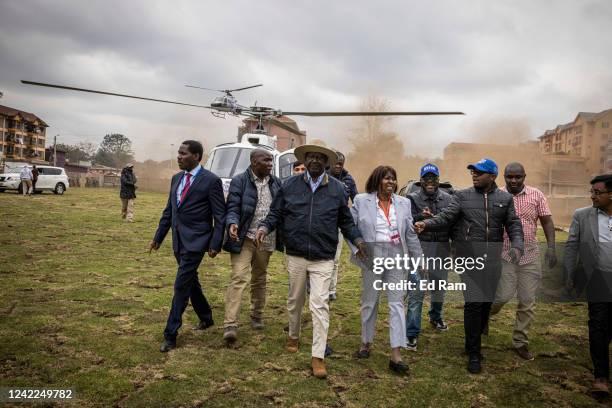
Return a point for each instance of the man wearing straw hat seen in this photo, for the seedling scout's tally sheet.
(309, 208)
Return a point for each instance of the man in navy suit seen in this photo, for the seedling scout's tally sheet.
(196, 214)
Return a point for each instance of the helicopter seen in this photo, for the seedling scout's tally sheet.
(229, 159)
(226, 103)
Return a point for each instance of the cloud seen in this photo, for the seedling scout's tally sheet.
(535, 63)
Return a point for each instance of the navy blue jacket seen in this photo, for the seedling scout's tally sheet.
(350, 187)
(310, 221)
(241, 204)
(198, 222)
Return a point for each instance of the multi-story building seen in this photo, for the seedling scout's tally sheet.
(588, 136)
(22, 135)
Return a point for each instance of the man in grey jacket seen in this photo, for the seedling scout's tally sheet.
(590, 243)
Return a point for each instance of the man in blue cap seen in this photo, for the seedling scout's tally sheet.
(426, 203)
(480, 214)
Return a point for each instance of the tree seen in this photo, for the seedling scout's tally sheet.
(115, 151)
(375, 144)
(82, 151)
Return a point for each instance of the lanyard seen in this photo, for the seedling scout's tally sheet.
(386, 210)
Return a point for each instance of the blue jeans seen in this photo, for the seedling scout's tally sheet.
(415, 307)
(437, 296)
(415, 303)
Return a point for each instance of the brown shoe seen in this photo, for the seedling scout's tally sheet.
(292, 345)
(524, 353)
(600, 387)
(318, 367)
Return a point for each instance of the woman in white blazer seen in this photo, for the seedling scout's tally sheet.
(385, 221)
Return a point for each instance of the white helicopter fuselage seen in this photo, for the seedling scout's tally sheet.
(230, 159)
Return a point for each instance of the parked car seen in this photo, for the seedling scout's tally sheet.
(415, 185)
(49, 178)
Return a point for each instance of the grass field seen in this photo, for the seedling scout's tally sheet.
(83, 305)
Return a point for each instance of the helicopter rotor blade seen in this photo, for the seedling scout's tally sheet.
(242, 89)
(283, 125)
(71, 88)
(207, 89)
(370, 113)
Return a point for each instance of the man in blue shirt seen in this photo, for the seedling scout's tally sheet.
(589, 244)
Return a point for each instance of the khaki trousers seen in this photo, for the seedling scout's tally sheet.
(250, 261)
(319, 274)
(334, 278)
(127, 208)
(522, 281)
(26, 187)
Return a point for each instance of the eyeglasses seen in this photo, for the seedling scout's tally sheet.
(597, 193)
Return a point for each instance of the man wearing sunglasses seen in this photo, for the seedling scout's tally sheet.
(480, 215)
(426, 203)
(589, 244)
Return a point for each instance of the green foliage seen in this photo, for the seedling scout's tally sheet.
(84, 305)
(81, 151)
(115, 151)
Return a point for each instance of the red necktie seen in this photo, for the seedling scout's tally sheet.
(186, 187)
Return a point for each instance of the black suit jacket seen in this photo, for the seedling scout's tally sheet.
(198, 222)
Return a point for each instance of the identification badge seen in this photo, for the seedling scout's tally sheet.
(395, 236)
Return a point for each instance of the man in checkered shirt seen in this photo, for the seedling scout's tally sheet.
(523, 279)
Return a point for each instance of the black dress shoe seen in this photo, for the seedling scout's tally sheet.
(474, 364)
(400, 367)
(167, 345)
(203, 325)
(363, 354)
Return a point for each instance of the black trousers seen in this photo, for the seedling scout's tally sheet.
(600, 334)
(187, 286)
(478, 296)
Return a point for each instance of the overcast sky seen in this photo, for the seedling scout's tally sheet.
(522, 65)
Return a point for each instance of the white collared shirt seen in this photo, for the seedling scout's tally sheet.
(384, 226)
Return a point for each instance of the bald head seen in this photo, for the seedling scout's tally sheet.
(261, 162)
(256, 153)
(514, 175)
(514, 168)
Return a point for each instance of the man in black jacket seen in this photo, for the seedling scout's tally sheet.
(248, 203)
(196, 214)
(342, 175)
(309, 209)
(426, 203)
(481, 213)
(127, 193)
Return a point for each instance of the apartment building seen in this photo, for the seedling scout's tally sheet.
(22, 135)
(589, 136)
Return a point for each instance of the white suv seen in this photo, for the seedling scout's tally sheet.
(49, 178)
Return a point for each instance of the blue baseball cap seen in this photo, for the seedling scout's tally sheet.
(485, 166)
(430, 168)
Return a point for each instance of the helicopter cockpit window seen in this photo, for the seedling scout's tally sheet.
(243, 161)
(228, 162)
(285, 165)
